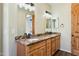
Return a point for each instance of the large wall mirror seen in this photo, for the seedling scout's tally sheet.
(30, 27)
(26, 18)
(36, 21)
(52, 25)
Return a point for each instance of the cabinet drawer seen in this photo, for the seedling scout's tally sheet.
(38, 52)
(36, 45)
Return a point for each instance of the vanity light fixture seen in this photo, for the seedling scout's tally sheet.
(47, 14)
(20, 5)
(27, 6)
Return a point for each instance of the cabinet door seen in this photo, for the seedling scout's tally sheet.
(53, 46)
(42, 51)
(48, 47)
(57, 43)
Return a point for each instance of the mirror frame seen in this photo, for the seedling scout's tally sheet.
(33, 24)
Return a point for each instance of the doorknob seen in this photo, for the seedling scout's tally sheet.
(72, 35)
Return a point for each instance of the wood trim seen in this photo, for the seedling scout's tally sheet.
(33, 24)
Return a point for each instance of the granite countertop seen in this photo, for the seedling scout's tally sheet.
(36, 39)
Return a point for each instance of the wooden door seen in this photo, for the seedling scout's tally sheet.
(75, 28)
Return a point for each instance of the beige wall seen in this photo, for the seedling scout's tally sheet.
(1, 10)
(9, 29)
(21, 14)
(12, 28)
(63, 11)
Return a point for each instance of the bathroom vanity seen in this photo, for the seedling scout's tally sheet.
(43, 45)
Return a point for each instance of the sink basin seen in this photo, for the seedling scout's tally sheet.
(32, 40)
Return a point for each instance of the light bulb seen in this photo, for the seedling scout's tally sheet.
(21, 5)
(30, 9)
(26, 7)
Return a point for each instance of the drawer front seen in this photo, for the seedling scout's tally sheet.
(38, 52)
(36, 46)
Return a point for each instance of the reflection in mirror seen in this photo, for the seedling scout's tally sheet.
(29, 24)
(27, 6)
(55, 23)
(48, 26)
(30, 27)
(24, 19)
(52, 25)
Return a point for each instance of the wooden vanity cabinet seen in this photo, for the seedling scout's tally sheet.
(46, 47)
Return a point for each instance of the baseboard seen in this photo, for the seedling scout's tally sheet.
(66, 50)
(1, 54)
